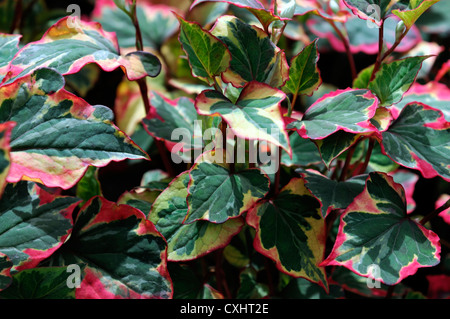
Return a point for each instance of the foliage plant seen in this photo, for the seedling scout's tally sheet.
(249, 149)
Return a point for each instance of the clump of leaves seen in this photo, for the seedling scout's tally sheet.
(257, 177)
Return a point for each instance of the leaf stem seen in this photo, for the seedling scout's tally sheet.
(143, 88)
(368, 155)
(346, 44)
(278, 174)
(434, 213)
(348, 160)
(291, 105)
(380, 51)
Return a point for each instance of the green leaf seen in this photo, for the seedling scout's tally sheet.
(304, 75)
(249, 287)
(216, 194)
(291, 231)
(89, 185)
(300, 288)
(40, 283)
(395, 78)
(349, 110)
(187, 241)
(67, 49)
(363, 79)
(253, 55)
(376, 237)
(188, 285)
(419, 139)
(304, 152)
(335, 144)
(255, 115)
(332, 194)
(33, 224)
(139, 198)
(125, 256)
(58, 135)
(5, 271)
(413, 12)
(207, 55)
(9, 45)
(157, 23)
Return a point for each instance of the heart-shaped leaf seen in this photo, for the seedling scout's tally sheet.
(188, 241)
(395, 78)
(333, 194)
(125, 256)
(291, 231)
(67, 49)
(58, 135)
(254, 57)
(216, 194)
(349, 110)
(33, 224)
(375, 231)
(207, 55)
(420, 139)
(256, 115)
(335, 144)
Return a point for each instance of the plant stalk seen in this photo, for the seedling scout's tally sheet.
(434, 213)
(368, 155)
(346, 44)
(143, 88)
(348, 160)
(380, 51)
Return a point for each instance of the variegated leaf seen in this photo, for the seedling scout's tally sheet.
(420, 139)
(58, 135)
(375, 231)
(253, 56)
(188, 241)
(349, 110)
(68, 48)
(217, 195)
(125, 255)
(256, 115)
(291, 231)
(33, 224)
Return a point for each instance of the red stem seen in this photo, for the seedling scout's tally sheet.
(347, 49)
(436, 212)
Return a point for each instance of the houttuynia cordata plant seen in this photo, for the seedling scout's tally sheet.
(225, 149)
